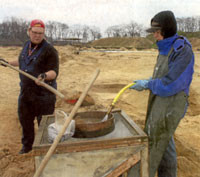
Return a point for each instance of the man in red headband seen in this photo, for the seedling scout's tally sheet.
(36, 31)
(39, 59)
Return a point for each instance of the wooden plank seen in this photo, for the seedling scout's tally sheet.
(88, 146)
(144, 169)
(98, 163)
(125, 174)
(39, 134)
(133, 124)
(37, 162)
(121, 168)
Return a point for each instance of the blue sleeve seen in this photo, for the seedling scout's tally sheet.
(179, 76)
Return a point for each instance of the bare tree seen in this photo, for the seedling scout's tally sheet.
(85, 33)
(198, 23)
(13, 31)
(134, 29)
(115, 31)
(62, 30)
(127, 30)
(109, 32)
(77, 30)
(95, 32)
(188, 24)
(50, 30)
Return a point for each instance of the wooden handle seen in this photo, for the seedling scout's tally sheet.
(60, 134)
(48, 87)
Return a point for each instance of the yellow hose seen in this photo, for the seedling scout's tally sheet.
(120, 92)
(115, 100)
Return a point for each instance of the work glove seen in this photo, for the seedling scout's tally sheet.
(42, 76)
(1, 59)
(140, 84)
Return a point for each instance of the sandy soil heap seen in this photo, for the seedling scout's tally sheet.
(117, 70)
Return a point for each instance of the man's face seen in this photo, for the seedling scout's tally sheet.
(157, 35)
(36, 34)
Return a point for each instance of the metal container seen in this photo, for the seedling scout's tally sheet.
(90, 124)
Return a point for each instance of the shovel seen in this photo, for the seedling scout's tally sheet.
(114, 101)
(48, 87)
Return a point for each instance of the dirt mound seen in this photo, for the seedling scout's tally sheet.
(116, 42)
(195, 43)
(72, 98)
(194, 103)
(135, 43)
(117, 70)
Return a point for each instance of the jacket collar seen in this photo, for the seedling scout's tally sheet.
(165, 45)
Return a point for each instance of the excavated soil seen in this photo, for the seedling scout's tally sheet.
(117, 70)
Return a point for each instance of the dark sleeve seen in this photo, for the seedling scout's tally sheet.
(52, 60)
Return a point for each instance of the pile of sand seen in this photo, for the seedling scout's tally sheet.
(128, 42)
(117, 70)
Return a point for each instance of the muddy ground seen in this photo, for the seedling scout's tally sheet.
(117, 70)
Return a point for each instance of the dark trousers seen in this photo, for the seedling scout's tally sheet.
(168, 164)
(28, 110)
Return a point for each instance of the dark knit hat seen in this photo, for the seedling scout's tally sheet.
(166, 22)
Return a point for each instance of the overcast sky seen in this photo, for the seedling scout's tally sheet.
(100, 13)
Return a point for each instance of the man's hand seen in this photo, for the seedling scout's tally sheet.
(40, 78)
(2, 60)
(140, 85)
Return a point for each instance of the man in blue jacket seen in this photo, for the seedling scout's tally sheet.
(39, 59)
(169, 90)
